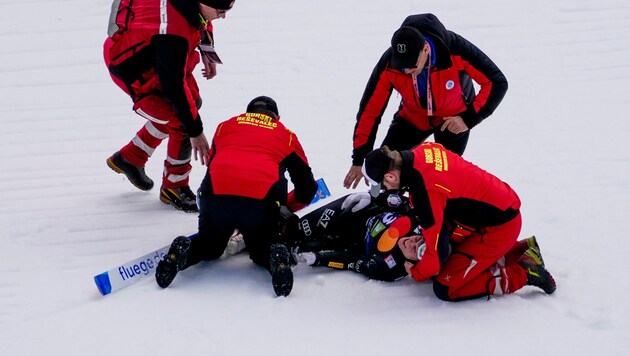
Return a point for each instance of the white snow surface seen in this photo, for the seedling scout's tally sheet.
(558, 138)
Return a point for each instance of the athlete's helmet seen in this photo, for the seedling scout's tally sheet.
(381, 242)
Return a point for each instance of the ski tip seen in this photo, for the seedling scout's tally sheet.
(102, 283)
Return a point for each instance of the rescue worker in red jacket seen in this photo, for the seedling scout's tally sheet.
(448, 192)
(433, 70)
(151, 54)
(244, 189)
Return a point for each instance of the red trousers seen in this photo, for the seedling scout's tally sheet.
(484, 264)
(162, 123)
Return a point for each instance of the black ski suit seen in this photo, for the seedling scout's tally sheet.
(337, 237)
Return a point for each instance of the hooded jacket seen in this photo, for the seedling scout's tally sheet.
(457, 64)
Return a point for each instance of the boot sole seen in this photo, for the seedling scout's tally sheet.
(281, 274)
(167, 269)
(282, 281)
(165, 273)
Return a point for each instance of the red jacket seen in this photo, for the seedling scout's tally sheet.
(249, 156)
(444, 186)
(153, 51)
(456, 62)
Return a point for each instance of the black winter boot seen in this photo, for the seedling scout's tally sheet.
(280, 269)
(173, 262)
(181, 198)
(135, 174)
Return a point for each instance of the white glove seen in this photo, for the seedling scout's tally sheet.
(356, 201)
(421, 249)
(307, 257)
(235, 244)
(303, 257)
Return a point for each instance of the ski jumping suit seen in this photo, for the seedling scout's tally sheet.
(150, 54)
(455, 63)
(337, 236)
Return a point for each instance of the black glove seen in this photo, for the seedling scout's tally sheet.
(365, 266)
(288, 224)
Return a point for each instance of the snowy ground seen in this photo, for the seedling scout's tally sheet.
(558, 138)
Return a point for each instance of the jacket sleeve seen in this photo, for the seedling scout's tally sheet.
(372, 268)
(335, 259)
(492, 82)
(301, 177)
(429, 265)
(428, 206)
(171, 54)
(375, 268)
(373, 104)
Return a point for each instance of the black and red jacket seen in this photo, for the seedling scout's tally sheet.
(457, 63)
(152, 49)
(444, 186)
(250, 154)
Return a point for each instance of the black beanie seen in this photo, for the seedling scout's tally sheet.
(264, 105)
(375, 166)
(218, 4)
(407, 42)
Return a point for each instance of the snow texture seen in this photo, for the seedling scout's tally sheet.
(557, 139)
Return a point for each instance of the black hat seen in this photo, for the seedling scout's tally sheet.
(375, 166)
(264, 105)
(407, 43)
(218, 4)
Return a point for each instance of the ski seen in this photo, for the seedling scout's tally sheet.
(130, 272)
(142, 267)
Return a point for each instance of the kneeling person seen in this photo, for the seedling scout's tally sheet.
(243, 189)
(489, 260)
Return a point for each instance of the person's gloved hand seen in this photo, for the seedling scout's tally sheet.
(288, 222)
(356, 201)
(421, 249)
(235, 244)
(303, 257)
(307, 257)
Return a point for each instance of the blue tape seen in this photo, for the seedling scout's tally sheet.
(103, 284)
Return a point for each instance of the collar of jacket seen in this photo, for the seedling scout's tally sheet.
(406, 169)
(417, 192)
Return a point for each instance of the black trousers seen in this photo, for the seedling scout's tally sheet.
(402, 135)
(219, 215)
